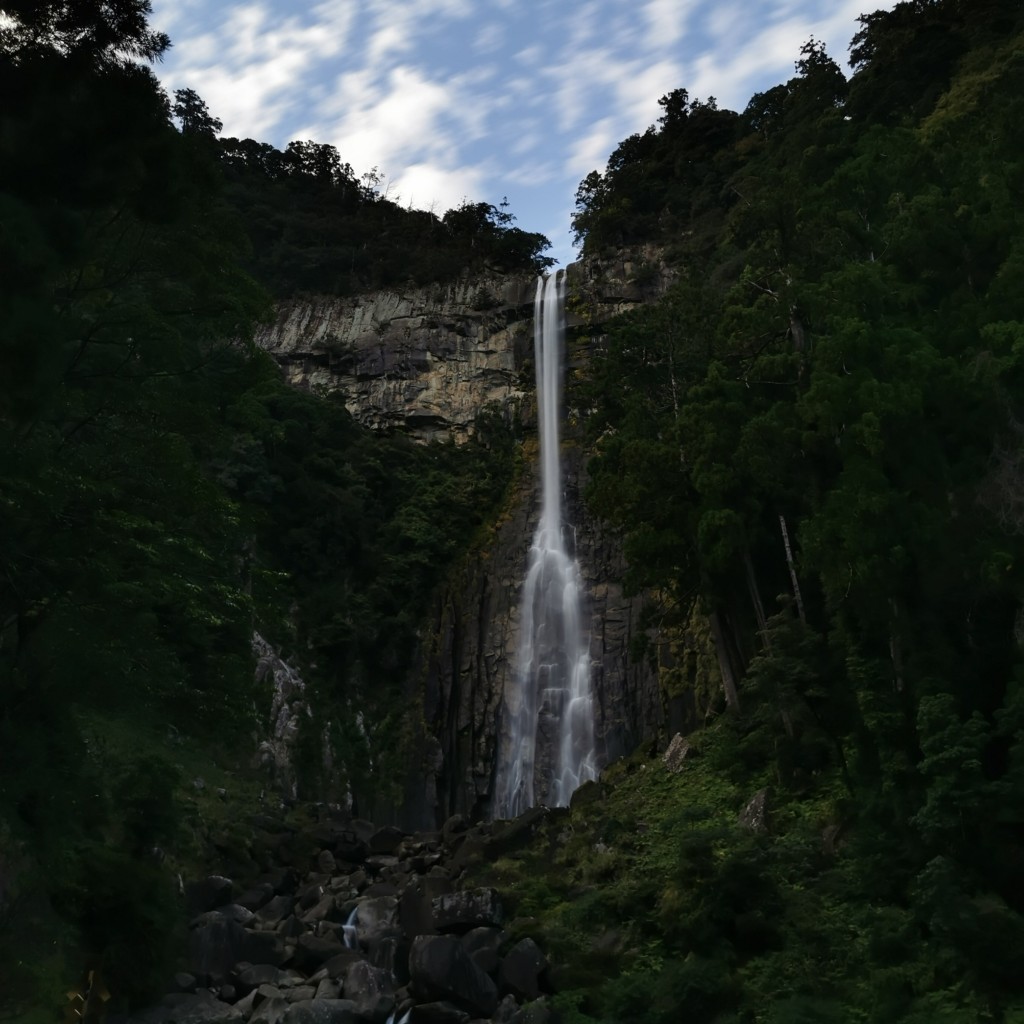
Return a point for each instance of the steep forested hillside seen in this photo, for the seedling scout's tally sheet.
(162, 493)
(816, 442)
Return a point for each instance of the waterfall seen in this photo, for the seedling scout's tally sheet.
(547, 747)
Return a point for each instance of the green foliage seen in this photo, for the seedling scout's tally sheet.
(313, 226)
(814, 436)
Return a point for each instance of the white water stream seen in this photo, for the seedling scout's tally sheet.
(548, 734)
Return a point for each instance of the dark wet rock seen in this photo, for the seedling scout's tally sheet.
(254, 975)
(521, 970)
(275, 911)
(340, 962)
(326, 908)
(212, 892)
(185, 982)
(591, 792)
(311, 951)
(386, 840)
(469, 908)
(371, 989)
(416, 905)
(328, 988)
(256, 897)
(440, 969)
(482, 945)
(383, 889)
(536, 1012)
(377, 919)
(270, 1011)
(509, 836)
(438, 1013)
(455, 825)
(323, 1011)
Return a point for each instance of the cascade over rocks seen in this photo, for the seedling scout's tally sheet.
(332, 952)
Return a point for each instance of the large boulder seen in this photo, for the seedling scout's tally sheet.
(521, 969)
(323, 1011)
(470, 908)
(440, 969)
(437, 1013)
(371, 989)
(217, 943)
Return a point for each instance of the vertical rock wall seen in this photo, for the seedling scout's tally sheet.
(469, 658)
(426, 361)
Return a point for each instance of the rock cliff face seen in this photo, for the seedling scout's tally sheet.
(469, 659)
(426, 361)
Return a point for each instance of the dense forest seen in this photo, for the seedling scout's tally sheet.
(813, 443)
(163, 492)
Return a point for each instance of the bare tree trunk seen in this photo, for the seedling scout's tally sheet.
(732, 697)
(792, 569)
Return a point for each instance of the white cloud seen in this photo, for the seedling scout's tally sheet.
(459, 98)
(666, 21)
(592, 150)
(429, 186)
(489, 38)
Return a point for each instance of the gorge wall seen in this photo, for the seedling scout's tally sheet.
(426, 361)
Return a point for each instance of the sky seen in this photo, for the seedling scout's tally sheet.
(479, 100)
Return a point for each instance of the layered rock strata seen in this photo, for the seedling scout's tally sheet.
(427, 360)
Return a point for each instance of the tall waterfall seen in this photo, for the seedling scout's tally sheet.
(547, 743)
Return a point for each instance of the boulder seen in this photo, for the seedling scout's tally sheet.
(470, 908)
(256, 897)
(371, 989)
(212, 892)
(755, 815)
(275, 911)
(677, 754)
(323, 1011)
(254, 975)
(440, 969)
(437, 1013)
(270, 1011)
(340, 962)
(482, 945)
(377, 918)
(520, 970)
(416, 905)
(386, 840)
(312, 950)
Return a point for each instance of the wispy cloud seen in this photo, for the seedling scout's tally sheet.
(473, 99)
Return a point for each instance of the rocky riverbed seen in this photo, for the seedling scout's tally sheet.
(355, 924)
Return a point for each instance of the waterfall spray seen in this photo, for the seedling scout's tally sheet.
(549, 724)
